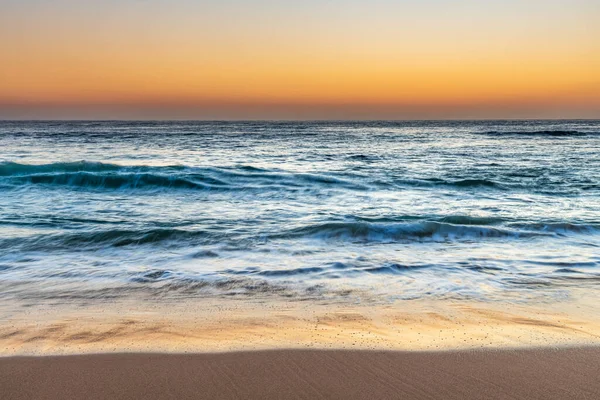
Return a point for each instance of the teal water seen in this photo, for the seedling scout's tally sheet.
(343, 211)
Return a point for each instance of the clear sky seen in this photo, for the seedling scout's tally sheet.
(326, 59)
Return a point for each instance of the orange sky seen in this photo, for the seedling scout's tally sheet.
(328, 59)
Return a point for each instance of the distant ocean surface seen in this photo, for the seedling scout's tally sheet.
(330, 211)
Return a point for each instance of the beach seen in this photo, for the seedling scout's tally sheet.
(419, 259)
(234, 349)
(308, 374)
(254, 324)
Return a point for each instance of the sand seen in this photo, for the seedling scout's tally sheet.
(308, 374)
(264, 349)
(208, 326)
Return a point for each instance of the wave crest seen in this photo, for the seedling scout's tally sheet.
(558, 132)
(377, 232)
(85, 174)
(113, 238)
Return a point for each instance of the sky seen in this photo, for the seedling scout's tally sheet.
(311, 59)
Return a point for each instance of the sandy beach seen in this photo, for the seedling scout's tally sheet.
(287, 350)
(226, 325)
(308, 374)
(310, 259)
(230, 349)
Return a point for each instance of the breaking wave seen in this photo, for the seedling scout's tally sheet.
(539, 133)
(379, 232)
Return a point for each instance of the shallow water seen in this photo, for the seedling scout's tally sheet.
(335, 211)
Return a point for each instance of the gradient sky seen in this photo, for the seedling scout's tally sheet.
(327, 59)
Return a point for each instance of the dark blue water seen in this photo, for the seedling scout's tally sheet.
(337, 210)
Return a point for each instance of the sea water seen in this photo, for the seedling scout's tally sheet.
(317, 211)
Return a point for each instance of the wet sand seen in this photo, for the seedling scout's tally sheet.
(308, 374)
(279, 350)
(232, 325)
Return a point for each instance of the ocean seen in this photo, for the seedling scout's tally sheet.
(344, 212)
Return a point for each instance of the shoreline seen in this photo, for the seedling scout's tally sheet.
(232, 325)
(548, 373)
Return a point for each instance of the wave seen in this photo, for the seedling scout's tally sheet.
(507, 184)
(334, 268)
(456, 183)
(559, 227)
(167, 282)
(117, 181)
(559, 133)
(197, 181)
(113, 238)
(457, 219)
(444, 228)
(375, 230)
(467, 182)
(471, 220)
(156, 284)
(11, 168)
(378, 232)
(85, 174)
(109, 176)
